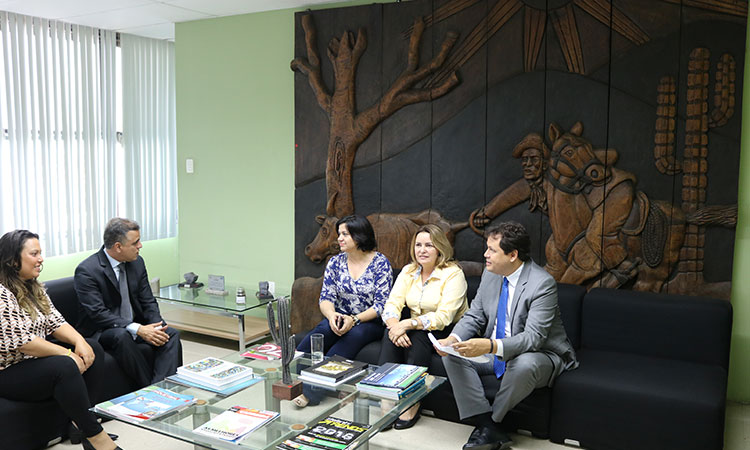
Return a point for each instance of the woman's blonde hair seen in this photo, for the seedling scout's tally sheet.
(30, 294)
(439, 241)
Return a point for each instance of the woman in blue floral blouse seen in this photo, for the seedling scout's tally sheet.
(356, 285)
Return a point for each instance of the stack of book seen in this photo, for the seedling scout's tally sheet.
(236, 423)
(215, 375)
(145, 404)
(333, 371)
(329, 433)
(393, 381)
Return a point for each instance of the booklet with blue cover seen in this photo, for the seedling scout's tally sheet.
(145, 404)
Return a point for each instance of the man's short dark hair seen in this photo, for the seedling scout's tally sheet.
(514, 237)
(360, 230)
(117, 231)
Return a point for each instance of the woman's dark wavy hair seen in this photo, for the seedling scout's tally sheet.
(360, 230)
(30, 294)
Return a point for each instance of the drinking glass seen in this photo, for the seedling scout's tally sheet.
(316, 347)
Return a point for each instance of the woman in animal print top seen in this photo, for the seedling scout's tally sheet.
(31, 367)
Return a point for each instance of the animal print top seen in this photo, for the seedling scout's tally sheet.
(17, 328)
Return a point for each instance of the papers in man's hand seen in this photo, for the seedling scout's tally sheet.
(451, 351)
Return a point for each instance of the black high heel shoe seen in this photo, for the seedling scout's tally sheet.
(75, 435)
(404, 424)
(89, 446)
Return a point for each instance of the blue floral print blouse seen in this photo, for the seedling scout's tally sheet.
(351, 296)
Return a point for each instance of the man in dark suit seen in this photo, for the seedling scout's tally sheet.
(118, 308)
(515, 321)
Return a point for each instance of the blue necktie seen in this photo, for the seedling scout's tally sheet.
(502, 308)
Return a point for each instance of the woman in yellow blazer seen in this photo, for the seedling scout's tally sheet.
(433, 287)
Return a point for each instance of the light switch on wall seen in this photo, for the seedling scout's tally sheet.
(189, 165)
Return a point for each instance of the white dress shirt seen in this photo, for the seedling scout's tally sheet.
(512, 281)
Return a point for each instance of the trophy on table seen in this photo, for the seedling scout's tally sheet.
(284, 389)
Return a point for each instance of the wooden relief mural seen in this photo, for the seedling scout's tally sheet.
(610, 128)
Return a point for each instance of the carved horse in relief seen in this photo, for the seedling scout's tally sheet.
(392, 231)
(604, 231)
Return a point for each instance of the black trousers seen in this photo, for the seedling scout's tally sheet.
(120, 343)
(418, 354)
(57, 377)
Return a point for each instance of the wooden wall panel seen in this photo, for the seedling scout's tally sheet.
(523, 65)
(408, 126)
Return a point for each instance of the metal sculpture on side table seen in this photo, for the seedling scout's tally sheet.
(284, 389)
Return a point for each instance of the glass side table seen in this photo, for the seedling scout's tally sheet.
(223, 305)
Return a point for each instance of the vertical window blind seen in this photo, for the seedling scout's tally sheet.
(63, 171)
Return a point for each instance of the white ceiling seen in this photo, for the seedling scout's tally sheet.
(150, 18)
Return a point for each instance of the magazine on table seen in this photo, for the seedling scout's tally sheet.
(394, 375)
(333, 370)
(214, 372)
(330, 433)
(236, 423)
(268, 352)
(145, 404)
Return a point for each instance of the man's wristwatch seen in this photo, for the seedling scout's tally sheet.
(414, 323)
(356, 320)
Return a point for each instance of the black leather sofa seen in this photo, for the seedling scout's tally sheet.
(653, 373)
(32, 425)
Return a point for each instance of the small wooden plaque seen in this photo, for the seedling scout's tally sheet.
(284, 391)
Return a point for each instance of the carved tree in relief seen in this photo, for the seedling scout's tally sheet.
(348, 128)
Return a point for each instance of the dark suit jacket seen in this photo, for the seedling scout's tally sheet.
(99, 294)
(535, 317)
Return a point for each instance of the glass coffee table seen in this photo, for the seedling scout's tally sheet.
(343, 402)
(223, 305)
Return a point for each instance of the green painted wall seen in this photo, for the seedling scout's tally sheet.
(160, 257)
(739, 364)
(235, 118)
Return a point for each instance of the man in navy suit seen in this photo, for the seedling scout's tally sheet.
(514, 320)
(118, 308)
